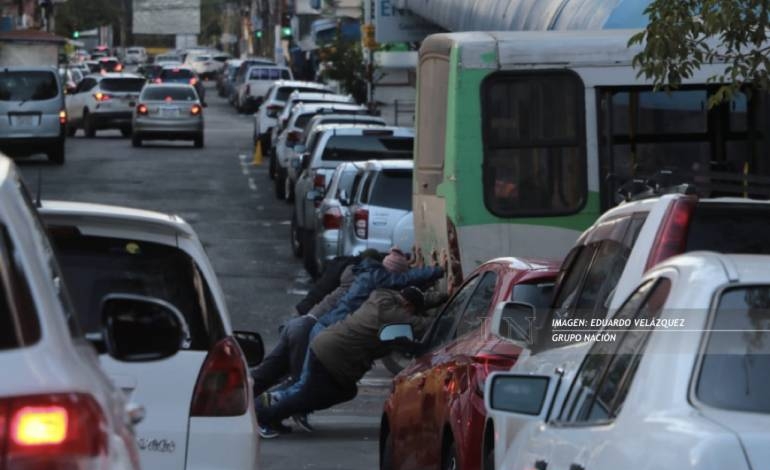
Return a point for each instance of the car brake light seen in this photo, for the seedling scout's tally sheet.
(196, 110)
(142, 109)
(361, 223)
(222, 386)
(119, 67)
(332, 218)
(101, 96)
(158, 80)
(62, 117)
(319, 181)
(53, 431)
(671, 238)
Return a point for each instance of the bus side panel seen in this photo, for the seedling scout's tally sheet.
(430, 232)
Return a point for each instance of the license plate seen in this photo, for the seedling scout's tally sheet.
(25, 120)
(169, 112)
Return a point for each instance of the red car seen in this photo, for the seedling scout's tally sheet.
(434, 417)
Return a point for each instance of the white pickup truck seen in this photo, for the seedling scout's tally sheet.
(258, 80)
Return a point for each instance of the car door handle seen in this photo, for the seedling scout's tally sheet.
(541, 465)
(575, 466)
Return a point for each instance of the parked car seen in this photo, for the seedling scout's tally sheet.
(257, 81)
(208, 421)
(33, 117)
(292, 134)
(329, 216)
(692, 396)
(170, 112)
(58, 408)
(266, 117)
(334, 144)
(181, 74)
(103, 101)
(435, 413)
(136, 55)
(608, 262)
(226, 77)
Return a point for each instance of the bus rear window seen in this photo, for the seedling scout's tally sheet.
(355, 148)
(534, 144)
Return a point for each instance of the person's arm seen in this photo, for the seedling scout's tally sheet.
(414, 276)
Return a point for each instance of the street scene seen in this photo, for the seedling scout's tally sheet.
(384, 234)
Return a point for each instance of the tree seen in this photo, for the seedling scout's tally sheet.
(347, 66)
(684, 35)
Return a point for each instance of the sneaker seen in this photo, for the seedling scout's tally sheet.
(301, 421)
(266, 432)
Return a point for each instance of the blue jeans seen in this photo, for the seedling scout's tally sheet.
(297, 385)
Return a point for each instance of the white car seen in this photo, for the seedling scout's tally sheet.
(609, 260)
(275, 99)
(683, 387)
(256, 82)
(58, 409)
(104, 101)
(205, 64)
(136, 55)
(200, 410)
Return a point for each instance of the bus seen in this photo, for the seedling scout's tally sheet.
(524, 138)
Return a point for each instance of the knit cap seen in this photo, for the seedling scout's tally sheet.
(396, 261)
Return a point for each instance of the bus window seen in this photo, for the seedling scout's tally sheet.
(534, 144)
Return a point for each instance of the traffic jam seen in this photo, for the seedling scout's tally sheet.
(558, 261)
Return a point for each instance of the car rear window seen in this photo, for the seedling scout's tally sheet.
(94, 267)
(176, 93)
(283, 93)
(202, 58)
(730, 228)
(134, 51)
(393, 189)
(356, 148)
(126, 85)
(28, 86)
(733, 373)
(268, 74)
(176, 73)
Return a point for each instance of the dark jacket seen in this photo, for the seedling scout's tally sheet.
(348, 348)
(346, 280)
(329, 280)
(370, 275)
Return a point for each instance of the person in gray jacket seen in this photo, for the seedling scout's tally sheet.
(341, 354)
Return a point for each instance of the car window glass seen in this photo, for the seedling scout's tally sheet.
(601, 279)
(132, 85)
(392, 189)
(572, 276)
(354, 148)
(168, 93)
(356, 184)
(28, 85)
(364, 196)
(443, 328)
(733, 373)
(478, 306)
(19, 324)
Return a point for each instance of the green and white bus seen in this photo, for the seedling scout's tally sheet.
(525, 137)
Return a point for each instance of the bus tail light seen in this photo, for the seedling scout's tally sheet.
(222, 386)
(361, 223)
(671, 238)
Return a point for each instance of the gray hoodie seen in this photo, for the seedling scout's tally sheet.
(330, 301)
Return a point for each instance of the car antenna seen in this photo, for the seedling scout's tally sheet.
(38, 198)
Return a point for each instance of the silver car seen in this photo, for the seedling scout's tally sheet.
(169, 112)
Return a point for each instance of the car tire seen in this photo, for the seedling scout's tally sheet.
(136, 140)
(71, 130)
(395, 362)
(199, 141)
(308, 253)
(295, 237)
(449, 457)
(280, 183)
(125, 131)
(55, 154)
(88, 126)
(386, 458)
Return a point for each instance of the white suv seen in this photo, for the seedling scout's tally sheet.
(200, 411)
(684, 386)
(103, 101)
(609, 260)
(57, 407)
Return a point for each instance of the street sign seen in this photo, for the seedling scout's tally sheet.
(393, 24)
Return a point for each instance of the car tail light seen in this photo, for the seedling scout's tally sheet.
(193, 81)
(332, 218)
(119, 67)
(319, 181)
(222, 387)
(55, 431)
(62, 117)
(361, 223)
(196, 109)
(671, 238)
(158, 80)
(142, 110)
(293, 137)
(101, 96)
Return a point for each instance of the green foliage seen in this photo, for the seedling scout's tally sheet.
(685, 35)
(347, 66)
(81, 15)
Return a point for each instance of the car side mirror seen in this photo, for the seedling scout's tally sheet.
(252, 346)
(136, 328)
(514, 321)
(396, 331)
(523, 395)
(343, 197)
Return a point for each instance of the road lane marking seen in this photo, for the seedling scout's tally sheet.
(294, 291)
(252, 184)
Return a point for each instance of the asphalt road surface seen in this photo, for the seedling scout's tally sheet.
(245, 230)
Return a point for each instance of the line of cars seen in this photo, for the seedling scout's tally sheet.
(115, 329)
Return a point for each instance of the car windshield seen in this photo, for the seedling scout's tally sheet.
(354, 148)
(125, 85)
(166, 93)
(97, 266)
(393, 189)
(733, 374)
(28, 86)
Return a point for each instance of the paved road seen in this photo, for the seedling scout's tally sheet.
(245, 230)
